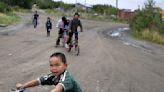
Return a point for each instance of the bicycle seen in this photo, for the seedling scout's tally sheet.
(74, 44)
(35, 23)
(64, 37)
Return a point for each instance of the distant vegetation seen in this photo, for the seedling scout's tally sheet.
(147, 23)
(104, 9)
(6, 14)
(4, 7)
(8, 18)
(96, 12)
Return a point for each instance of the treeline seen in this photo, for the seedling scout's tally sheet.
(21, 3)
(5, 5)
(105, 9)
(147, 18)
(50, 4)
(27, 4)
(147, 23)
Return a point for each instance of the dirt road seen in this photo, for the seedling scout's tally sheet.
(105, 64)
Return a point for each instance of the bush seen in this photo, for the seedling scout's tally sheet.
(8, 18)
(147, 24)
(148, 17)
(4, 8)
(161, 28)
(153, 36)
(148, 35)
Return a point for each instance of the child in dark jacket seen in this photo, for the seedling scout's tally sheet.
(48, 26)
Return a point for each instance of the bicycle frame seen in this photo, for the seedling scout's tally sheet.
(35, 23)
(65, 37)
(74, 44)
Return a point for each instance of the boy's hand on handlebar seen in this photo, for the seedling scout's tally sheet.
(19, 85)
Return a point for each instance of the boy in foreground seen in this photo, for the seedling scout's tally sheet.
(59, 76)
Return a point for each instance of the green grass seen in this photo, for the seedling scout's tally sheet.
(18, 9)
(152, 36)
(8, 18)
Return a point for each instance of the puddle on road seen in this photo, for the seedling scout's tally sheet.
(119, 33)
(137, 46)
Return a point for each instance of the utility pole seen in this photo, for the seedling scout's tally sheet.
(76, 5)
(85, 7)
(116, 3)
(138, 7)
(117, 9)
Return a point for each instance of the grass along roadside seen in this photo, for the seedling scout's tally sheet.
(8, 18)
(148, 35)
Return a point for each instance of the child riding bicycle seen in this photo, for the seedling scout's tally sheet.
(74, 24)
(59, 76)
(35, 19)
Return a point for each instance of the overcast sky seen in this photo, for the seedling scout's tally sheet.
(122, 4)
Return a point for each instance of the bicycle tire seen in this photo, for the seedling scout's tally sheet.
(35, 23)
(69, 49)
(77, 50)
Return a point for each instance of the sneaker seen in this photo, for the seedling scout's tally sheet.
(66, 45)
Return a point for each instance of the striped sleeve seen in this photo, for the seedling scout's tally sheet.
(46, 80)
(66, 81)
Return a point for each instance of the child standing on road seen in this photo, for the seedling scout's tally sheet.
(48, 26)
(59, 76)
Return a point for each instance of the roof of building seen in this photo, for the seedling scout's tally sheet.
(84, 5)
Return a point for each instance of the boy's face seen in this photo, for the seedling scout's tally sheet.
(57, 66)
(76, 16)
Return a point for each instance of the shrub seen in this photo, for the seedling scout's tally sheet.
(4, 8)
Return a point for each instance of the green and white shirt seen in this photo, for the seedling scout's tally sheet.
(65, 79)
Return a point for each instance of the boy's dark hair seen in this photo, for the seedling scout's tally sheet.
(60, 55)
(49, 18)
(76, 13)
(63, 18)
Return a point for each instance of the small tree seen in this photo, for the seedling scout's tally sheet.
(148, 17)
(104, 9)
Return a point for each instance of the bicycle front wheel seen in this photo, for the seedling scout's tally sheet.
(77, 50)
(35, 23)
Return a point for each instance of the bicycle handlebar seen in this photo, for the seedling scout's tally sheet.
(18, 90)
